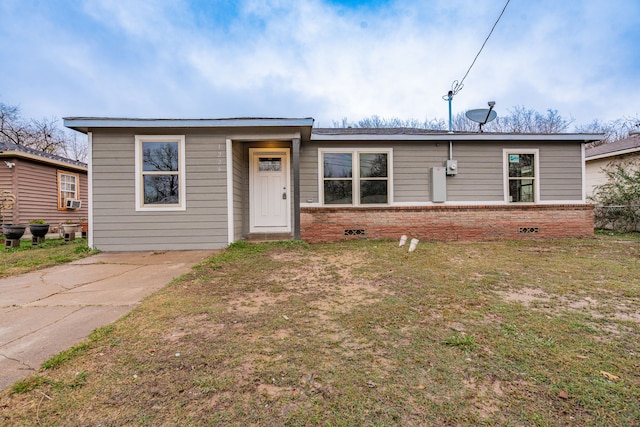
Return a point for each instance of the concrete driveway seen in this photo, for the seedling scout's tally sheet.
(47, 311)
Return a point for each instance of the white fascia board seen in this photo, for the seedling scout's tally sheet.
(614, 154)
(82, 124)
(461, 137)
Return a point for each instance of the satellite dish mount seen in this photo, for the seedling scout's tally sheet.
(482, 116)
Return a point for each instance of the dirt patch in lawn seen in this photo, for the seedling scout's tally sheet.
(365, 333)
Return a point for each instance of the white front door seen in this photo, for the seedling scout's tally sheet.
(270, 200)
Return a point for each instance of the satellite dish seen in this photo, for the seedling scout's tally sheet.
(482, 116)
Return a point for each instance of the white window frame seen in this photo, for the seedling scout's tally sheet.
(182, 205)
(76, 193)
(355, 178)
(536, 174)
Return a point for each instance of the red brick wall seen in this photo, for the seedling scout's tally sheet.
(466, 223)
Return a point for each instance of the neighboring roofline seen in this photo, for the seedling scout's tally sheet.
(84, 124)
(613, 154)
(443, 136)
(40, 159)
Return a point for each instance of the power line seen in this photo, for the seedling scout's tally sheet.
(457, 86)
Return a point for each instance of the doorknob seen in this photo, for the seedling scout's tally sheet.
(284, 196)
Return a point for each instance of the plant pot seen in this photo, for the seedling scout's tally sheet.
(13, 231)
(39, 230)
(69, 228)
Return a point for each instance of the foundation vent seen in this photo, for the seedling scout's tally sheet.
(354, 232)
(528, 230)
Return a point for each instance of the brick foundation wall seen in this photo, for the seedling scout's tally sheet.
(447, 223)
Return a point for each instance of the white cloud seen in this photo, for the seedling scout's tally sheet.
(314, 58)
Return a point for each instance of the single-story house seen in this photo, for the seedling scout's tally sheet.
(157, 184)
(45, 186)
(598, 158)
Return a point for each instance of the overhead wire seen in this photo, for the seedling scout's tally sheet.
(457, 86)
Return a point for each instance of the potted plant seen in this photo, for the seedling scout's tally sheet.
(38, 228)
(13, 231)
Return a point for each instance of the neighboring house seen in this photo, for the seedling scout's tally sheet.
(42, 183)
(202, 184)
(599, 157)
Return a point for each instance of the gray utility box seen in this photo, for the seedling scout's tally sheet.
(452, 167)
(439, 184)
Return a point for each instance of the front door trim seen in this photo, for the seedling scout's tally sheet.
(254, 155)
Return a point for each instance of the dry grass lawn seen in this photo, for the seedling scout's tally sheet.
(365, 333)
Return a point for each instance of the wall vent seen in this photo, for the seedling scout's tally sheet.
(354, 232)
(528, 230)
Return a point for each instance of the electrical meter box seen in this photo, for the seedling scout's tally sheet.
(439, 184)
(452, 167)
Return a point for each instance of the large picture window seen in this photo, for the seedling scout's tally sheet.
(521, 176)
(355, 177)
(160, 182)
(68, 188)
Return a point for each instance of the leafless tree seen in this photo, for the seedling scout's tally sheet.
(376, 121)
(43, 134)
(613, 130)
(526, 120)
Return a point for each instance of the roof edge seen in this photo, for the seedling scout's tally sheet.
(83, 124)
(582, 137)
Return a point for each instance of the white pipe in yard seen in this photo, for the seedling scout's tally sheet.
(414, 243)
(403, 240)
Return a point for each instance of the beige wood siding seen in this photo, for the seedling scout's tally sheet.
(118, 226)
(35, 186)
(6, 184)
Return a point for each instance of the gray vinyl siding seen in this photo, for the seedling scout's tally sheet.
(411, 170)
(118, 226)
(309, 173)
(561, 172)
(480, 175)
(239, 193)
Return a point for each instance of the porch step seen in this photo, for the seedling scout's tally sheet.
(268, 237)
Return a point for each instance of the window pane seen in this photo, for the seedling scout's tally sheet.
(521, 190)
(373, 165)
(338, 165)
(266, 164)
(521, 165)
(338, 192)
(160, 156)
(373, 191)
(161, 189)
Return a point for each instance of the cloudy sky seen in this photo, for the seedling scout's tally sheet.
(326, 59)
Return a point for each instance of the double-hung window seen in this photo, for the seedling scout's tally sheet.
(160, 172)
(68, 183)
(355, 177)
(521, 176)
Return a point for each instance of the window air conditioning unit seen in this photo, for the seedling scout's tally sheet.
(73, 204)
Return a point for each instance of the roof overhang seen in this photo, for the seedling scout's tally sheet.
(86, 124)
(613, 154)
(584, 138)
(32, 157)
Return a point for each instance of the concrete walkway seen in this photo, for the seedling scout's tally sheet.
(50, 310)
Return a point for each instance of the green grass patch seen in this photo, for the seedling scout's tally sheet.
(26, 258)
(364, 333)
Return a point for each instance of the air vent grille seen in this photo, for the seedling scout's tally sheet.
(354, 232)
(528, 230)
